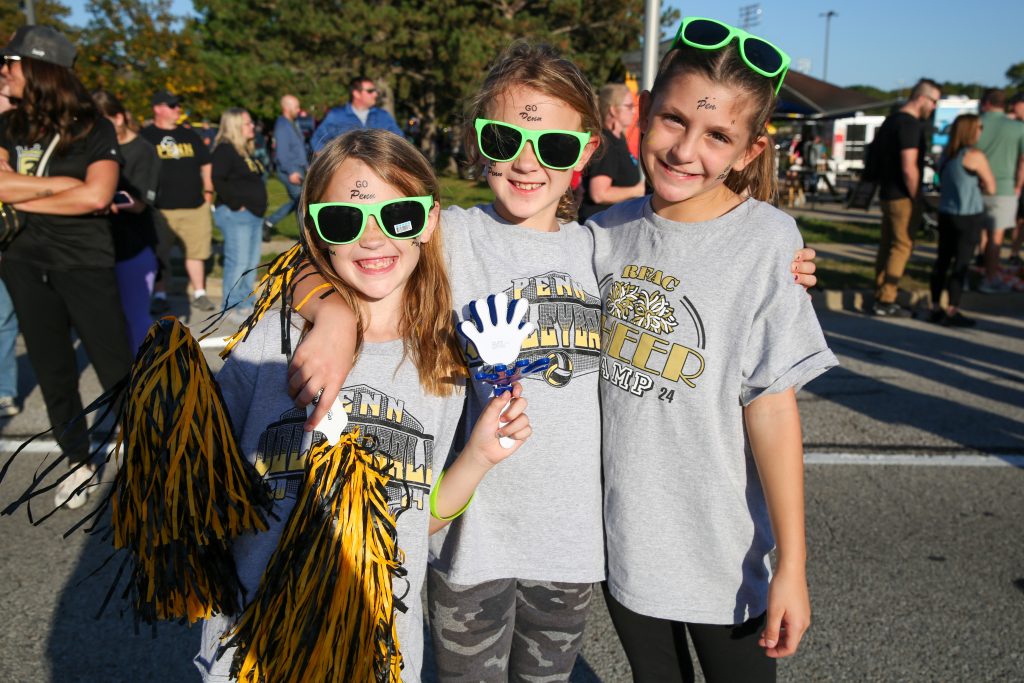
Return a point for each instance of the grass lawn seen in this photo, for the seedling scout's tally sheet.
(841, 275)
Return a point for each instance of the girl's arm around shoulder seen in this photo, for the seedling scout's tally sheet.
(976, 162)
(802, 266)
(773, 427)
(454, 489)
(326, 355)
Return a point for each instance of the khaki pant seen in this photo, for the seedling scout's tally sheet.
(900, 220)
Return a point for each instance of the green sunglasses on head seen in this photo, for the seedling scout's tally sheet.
(343, 223)
(556, 149)
(710, 34)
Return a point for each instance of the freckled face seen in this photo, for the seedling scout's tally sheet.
(525, 191)
(375, 265)
(695, 133)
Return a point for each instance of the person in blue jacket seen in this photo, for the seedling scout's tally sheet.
(360, 112)
(292, 159)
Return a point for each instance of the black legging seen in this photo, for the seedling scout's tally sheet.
(958, 235)
(657, 650)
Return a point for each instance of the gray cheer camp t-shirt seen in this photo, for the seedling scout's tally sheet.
(537, 516)
(699, 320)
(382, 397)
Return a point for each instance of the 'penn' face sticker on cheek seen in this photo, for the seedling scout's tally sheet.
(403, 227)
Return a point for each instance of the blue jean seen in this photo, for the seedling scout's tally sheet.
(294, 191)
(8, 336)
(135, 278)
(243, 232)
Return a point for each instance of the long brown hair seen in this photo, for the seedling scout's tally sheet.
(427, 326)
(109, 106)
(543, 69)
(963, 133)
(53, 101)
(725, 66)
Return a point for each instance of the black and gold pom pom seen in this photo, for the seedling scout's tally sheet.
(325, 608)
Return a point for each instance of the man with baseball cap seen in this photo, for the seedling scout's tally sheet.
(43, 43)
(183, 197)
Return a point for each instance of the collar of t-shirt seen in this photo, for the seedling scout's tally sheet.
(361, 114)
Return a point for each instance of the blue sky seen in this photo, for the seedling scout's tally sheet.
(885, 43)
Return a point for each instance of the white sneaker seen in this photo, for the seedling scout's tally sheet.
(66, 495)
(8, 406)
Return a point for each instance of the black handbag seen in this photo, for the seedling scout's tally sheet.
(12, 222)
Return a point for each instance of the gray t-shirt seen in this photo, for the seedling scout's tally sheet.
(699, 320)
(538, 515)
(383, 397)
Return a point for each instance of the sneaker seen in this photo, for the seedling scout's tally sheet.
(159, 306)
(66, 495)
(958, 319)
(994, 287)
(268, 227)
(893, 310)
(203, 303)
(8, 406)
(938, 317)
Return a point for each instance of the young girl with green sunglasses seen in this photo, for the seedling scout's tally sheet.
(701, 363)
(511, 580)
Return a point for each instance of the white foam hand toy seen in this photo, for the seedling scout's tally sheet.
(497, 329)
(331, 426)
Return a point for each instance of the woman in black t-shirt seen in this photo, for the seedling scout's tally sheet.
(134, 232)
(60, 169)
(241, 203)
(614, 175)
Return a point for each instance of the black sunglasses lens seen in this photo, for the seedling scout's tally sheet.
(558, 150)
(403, 220)
(499, 142)
(762, 55)
(339, 224)
(703, 32)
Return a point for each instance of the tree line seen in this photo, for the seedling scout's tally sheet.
(427, 56)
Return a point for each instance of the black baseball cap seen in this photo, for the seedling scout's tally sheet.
(43, 43)
(165, 97)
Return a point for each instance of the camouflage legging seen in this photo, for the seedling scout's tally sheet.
(519, 631)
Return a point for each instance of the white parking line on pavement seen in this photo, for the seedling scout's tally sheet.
(944, 460)
(48, 445)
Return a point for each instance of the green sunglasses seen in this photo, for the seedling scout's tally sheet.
(710, 34)
(556, 149)
(343, 223)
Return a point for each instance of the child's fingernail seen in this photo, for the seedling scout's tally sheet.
(796, 277)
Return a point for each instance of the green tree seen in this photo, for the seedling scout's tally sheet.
(428, 55)
(48, 13)
(134, 47)
(1015, 74)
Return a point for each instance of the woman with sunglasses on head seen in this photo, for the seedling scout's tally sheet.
(371, 218)
(701, 363)
(613, 175)
(60, 170)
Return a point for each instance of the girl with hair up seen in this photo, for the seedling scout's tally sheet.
(370, 226)
(59, 165)
(965, 175)
(701, 364)
(132, 217)
(241, 203)
(511, 581)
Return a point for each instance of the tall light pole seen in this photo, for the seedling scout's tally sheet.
(30, 12)
(652, 38)
(828, 22)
